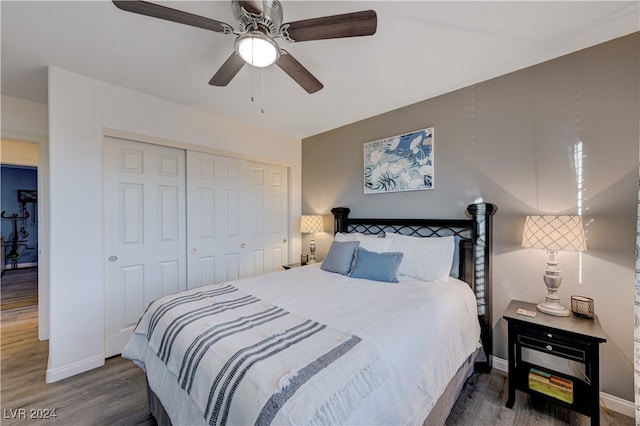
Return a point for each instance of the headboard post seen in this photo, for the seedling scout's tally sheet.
(340, 216)
(482, 215)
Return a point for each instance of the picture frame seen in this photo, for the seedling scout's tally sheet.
(400, 163)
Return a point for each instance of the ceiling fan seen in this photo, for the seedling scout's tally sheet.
(259, 24)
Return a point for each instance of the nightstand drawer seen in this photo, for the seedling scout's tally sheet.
(552, 336)
(553, 348)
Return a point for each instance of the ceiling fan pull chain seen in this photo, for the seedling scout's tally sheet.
(262, 81)
(251, 74)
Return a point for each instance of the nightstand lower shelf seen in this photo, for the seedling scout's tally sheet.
(581, 393)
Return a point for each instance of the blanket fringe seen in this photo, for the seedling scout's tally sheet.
(338, 408)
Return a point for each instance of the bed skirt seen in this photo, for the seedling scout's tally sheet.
(437, 416)
(156, 408)
(442, 409)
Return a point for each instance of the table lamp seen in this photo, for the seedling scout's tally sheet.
(553, 233)
(310, 224)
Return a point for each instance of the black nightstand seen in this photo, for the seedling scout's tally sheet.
(573, 338)
(291, 265)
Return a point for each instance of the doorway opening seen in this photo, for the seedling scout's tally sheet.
(19, 229)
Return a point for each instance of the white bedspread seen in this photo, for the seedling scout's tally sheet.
(411, 338)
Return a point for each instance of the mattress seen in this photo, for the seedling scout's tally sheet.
(419, 333)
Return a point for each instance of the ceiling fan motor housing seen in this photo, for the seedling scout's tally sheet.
(265, 16)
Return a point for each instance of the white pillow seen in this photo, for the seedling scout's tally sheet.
(341, 237)
(425, 258)
(374, 244)
(368, 242)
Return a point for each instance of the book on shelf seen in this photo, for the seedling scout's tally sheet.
(551, 385)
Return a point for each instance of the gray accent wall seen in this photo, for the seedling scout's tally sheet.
(560, 137)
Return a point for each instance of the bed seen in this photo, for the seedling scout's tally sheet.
(313, 345)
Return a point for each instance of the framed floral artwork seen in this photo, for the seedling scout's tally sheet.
(399, 163)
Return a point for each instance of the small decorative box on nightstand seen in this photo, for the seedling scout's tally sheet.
(573, 338)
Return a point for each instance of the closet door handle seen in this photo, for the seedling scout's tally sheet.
(113, 258)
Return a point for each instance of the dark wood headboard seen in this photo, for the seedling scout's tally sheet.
(476, 249)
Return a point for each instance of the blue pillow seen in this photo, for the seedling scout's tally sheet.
(376, 266)
(340, 257)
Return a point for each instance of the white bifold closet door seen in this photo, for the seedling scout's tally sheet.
(145, 235)
(177, 219)
(237, 216)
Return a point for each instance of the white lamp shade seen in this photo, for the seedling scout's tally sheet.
(556, 233)
(310, 224)
(257, 49)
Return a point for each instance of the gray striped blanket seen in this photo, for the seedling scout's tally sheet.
(246, 361)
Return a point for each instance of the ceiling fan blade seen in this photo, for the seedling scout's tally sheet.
(228, 70)
(173, 15)
(352, 24)
(254, 7)
(296, 71)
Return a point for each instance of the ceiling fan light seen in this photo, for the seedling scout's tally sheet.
(257, 49)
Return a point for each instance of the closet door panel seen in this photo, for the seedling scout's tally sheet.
(145, 237)
(268, 193)
(237, 218)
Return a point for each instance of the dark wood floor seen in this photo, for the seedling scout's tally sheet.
(115, 393)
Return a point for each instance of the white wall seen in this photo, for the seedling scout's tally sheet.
(81, 111)
(18, 153)
(28, 121)
(23, 120)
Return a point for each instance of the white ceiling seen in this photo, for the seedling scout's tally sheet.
(421, 49)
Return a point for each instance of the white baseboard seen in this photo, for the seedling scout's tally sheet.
(21, 265)
(618, 405)
(612, 402)
(499, 363)
(53, 375)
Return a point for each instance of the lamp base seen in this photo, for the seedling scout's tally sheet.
(552, 280)
(553, 308)
(312, 250)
